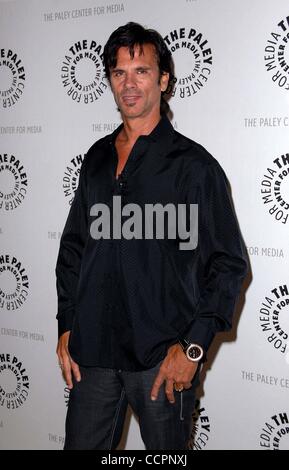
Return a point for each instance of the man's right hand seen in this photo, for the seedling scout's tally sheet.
(66, 363)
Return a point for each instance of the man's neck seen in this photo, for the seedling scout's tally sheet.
(133, 128)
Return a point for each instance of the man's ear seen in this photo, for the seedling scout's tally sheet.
(164, 80)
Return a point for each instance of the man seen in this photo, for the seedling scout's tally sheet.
(137, 314)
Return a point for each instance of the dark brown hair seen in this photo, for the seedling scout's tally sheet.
(131, 35)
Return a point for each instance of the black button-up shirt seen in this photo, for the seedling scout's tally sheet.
(127, 300)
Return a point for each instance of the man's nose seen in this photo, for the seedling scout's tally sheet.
(129, 80)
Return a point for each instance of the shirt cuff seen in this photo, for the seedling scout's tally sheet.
(65, 322)
(202, 332)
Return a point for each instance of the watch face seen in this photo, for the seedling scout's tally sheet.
(194, 352)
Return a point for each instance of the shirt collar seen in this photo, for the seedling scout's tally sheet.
(163, 131)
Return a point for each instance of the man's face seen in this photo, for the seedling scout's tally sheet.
(136, 83)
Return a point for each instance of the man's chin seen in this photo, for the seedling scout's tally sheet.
(131, 112)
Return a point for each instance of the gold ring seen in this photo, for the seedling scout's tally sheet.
(179, 389)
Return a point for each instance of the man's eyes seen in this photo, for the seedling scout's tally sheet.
(120, 73)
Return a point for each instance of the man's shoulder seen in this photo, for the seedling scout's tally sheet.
(99, 145)
(97, 151)
(194, 152)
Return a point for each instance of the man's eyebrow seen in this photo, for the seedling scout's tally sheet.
(117, 69)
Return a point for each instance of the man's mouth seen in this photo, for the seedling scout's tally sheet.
(130, 98)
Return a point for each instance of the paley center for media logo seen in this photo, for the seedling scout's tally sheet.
(71, 177)
(13, 182)
(14, 382)
(14, 283)
(274, 318)
(275, 188)
(82, 72)
(275, 433)
(201, 428)
(277, 54)
(12, 77)
(153, 221)
(193, 61)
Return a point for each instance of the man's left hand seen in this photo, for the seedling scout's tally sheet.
(176, 371)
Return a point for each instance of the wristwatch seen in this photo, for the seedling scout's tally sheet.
(194, 352)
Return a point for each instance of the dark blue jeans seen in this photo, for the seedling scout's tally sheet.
(98, 403)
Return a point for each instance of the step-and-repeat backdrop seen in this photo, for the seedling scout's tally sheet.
(231, 94)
